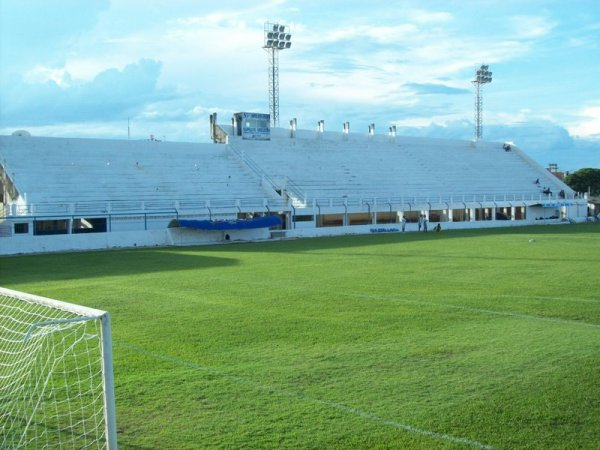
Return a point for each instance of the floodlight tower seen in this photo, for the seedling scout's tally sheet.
(277, 37)
(482, 76)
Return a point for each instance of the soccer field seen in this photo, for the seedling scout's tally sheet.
(459, 339)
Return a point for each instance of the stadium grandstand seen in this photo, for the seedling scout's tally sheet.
(255, 182)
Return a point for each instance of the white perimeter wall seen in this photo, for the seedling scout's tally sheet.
(22, 244)
(413, 227)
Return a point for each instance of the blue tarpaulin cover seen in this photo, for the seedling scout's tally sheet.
(238, 224)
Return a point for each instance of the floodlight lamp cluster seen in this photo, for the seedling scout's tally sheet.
(483, 75)
(276, 37)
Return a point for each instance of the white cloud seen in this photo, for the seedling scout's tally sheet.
(589, 124)
(429, 17)
(112, 93)
(417, 122)
(317, 37)
(42, 74)
(530, 27)
(513, 118)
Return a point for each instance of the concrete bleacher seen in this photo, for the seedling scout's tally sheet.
(333, 165)
(62, 194)
(64, 175)
(89, 174)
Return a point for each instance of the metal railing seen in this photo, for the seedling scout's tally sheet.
(253, 204)
(293, 191)
(250, 204)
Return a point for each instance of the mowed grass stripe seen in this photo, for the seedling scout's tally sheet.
(477, 297)
(477, 310)
(304, 398)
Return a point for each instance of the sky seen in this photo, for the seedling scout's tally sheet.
(135, 68)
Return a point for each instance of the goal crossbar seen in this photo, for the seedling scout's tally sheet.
(79, 314)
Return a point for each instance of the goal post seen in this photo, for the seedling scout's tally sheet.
(56, 374)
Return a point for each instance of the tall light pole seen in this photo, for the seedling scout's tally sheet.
(482, 76)
(277, 37)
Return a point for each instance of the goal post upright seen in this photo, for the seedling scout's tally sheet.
(110, 416)
(56, 323)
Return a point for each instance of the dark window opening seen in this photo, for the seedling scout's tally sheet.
(412, 216)
(330, 220)
(89, 225)
(304, 218)
(360, 219)
(461, 215)
(520, 213)
(386, 217)
(47, 227)
(438, 215)
(22, 228)
(483, 214)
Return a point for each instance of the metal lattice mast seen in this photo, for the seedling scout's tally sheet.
(274, 85)
(482, 76)
(276, 38)
(478, 105)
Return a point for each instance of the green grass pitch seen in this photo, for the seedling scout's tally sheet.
(459, 339)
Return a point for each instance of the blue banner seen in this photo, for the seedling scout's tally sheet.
(237, 224)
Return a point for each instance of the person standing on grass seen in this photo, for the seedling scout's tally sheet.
(424, 224)
(403, 220)
(420, 221)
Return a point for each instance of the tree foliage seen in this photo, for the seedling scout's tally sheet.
(583, 179)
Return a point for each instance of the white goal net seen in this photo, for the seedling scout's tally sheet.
(56, 385)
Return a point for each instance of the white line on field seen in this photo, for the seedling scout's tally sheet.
(289, 394)
(535, 297)
(541, 297)
(477, 310)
